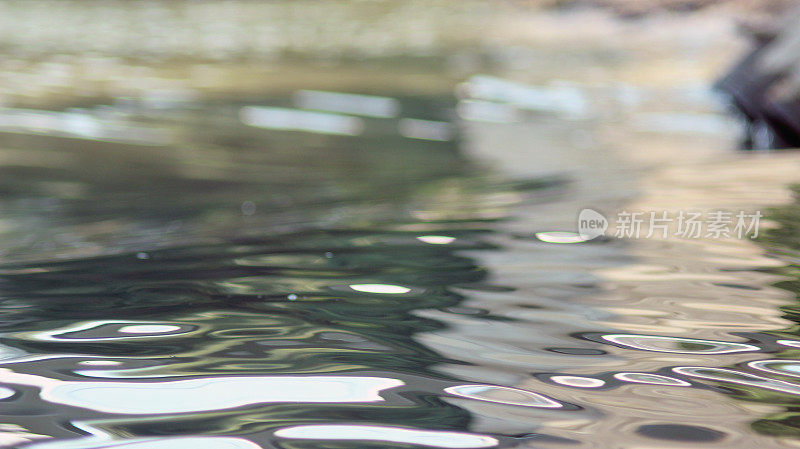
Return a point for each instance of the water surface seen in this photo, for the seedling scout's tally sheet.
(307, 270)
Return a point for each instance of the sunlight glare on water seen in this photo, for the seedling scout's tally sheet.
(380, 288)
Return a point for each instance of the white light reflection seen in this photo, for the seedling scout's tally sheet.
(100, 363)
(503, 395)
(367, 105)
(561, 237)
(678, 345)
(127, 330)
(209, 442)
(145, 372)
(79, 124)
(436, 239)
(204, 394)
(431, 438)
(783, 367)
(425, 129)
(790, 343)
(652, 379)
(296, 120)
(148, 329)
(737, 377)
(40, 357)
(386, 289)
(578, 381)
(564, 98)
(6, 393)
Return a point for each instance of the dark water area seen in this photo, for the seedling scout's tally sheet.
(185, 276)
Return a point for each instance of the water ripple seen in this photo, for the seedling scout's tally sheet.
(652, 379)
(503, 395)
(737, 377)
(105, 330)
(678, 345)
(782, 367)
(430, 438)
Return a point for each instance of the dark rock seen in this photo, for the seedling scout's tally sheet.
(765, 86)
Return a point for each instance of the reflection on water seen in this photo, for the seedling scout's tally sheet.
(737, 377)
(205, 394)
(337, 269)
(503, 395)
(678, 345)
(578, 381)
(387, 434)
(654, 379)
(158, 443)
(561, 237)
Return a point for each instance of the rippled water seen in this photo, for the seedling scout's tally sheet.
(189, 275)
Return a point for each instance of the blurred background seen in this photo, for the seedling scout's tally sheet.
(142, 105)
(242, 189)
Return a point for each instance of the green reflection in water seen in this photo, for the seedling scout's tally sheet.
(784, 240)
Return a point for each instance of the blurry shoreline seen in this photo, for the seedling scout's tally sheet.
(328, 29)
(59, 54)
(597, 87)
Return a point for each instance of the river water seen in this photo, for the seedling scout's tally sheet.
(298, 268)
